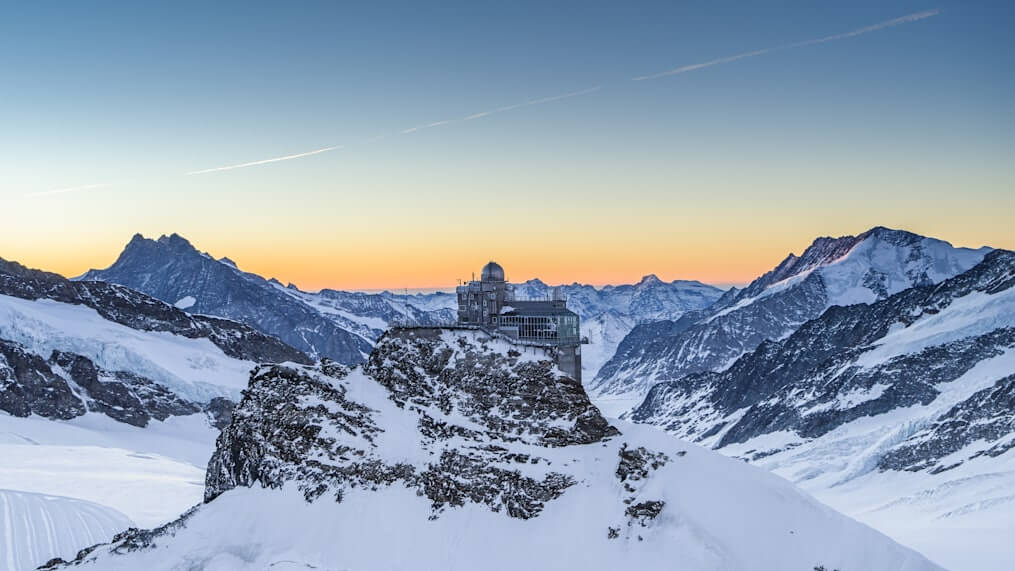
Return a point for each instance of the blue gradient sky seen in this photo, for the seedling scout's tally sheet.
(713, 174)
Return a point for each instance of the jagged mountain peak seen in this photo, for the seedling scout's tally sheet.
(882, 260)
(173, 270)
(886, 233)
(649, 279)
(174, 240)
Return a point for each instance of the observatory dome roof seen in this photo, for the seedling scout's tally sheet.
(492, 272)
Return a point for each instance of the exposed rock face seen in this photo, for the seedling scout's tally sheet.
(832, 271)
(67, 386)
(120, 395)
(514, 398)
(988, 416)
(865, 361)
(457, 387)
(29, 386)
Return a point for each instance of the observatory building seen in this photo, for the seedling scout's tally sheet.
(490, 304)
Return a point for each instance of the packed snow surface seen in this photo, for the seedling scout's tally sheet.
(36, 527)
(96, 477)
(722, 515)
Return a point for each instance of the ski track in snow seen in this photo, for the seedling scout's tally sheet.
(38, 527)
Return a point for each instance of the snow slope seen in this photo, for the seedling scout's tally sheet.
(450, 450)
(35, 527)
(143, 476)
(150, 474)
(194, 369)
(900, 413)
(109, 399)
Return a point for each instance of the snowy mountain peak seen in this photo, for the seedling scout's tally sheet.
(831, 271)
(176, 242)
(650, 279)
(885, 252)
(172, 269)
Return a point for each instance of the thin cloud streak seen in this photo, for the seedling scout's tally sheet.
(266, 161)
(68, 189)
(403, 132)
(915, 17)
(481, 114)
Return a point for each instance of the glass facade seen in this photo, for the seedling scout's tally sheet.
(561, 328)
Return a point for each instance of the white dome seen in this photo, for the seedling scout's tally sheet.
(492, 272)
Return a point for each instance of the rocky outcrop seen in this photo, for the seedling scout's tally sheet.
(29, 386)
(299, 424)
(987, 417)
(68, 385)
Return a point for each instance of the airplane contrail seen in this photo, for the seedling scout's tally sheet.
(539, 101)
(266, 161)
(68, 189)
(480, 114)
(915, 17)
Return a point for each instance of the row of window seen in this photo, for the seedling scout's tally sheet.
(542, 327)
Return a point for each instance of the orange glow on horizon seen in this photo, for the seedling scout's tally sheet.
(396, 264)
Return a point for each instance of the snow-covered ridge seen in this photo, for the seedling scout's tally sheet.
(911, 394)
(194, 369)
(832, 271)
(470, 453)
(865, 268)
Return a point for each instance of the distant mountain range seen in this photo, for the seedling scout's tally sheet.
(900, 412)
(876, 371)
(344, 325)
(832, 271)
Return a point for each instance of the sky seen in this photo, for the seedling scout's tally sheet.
(387, 145)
